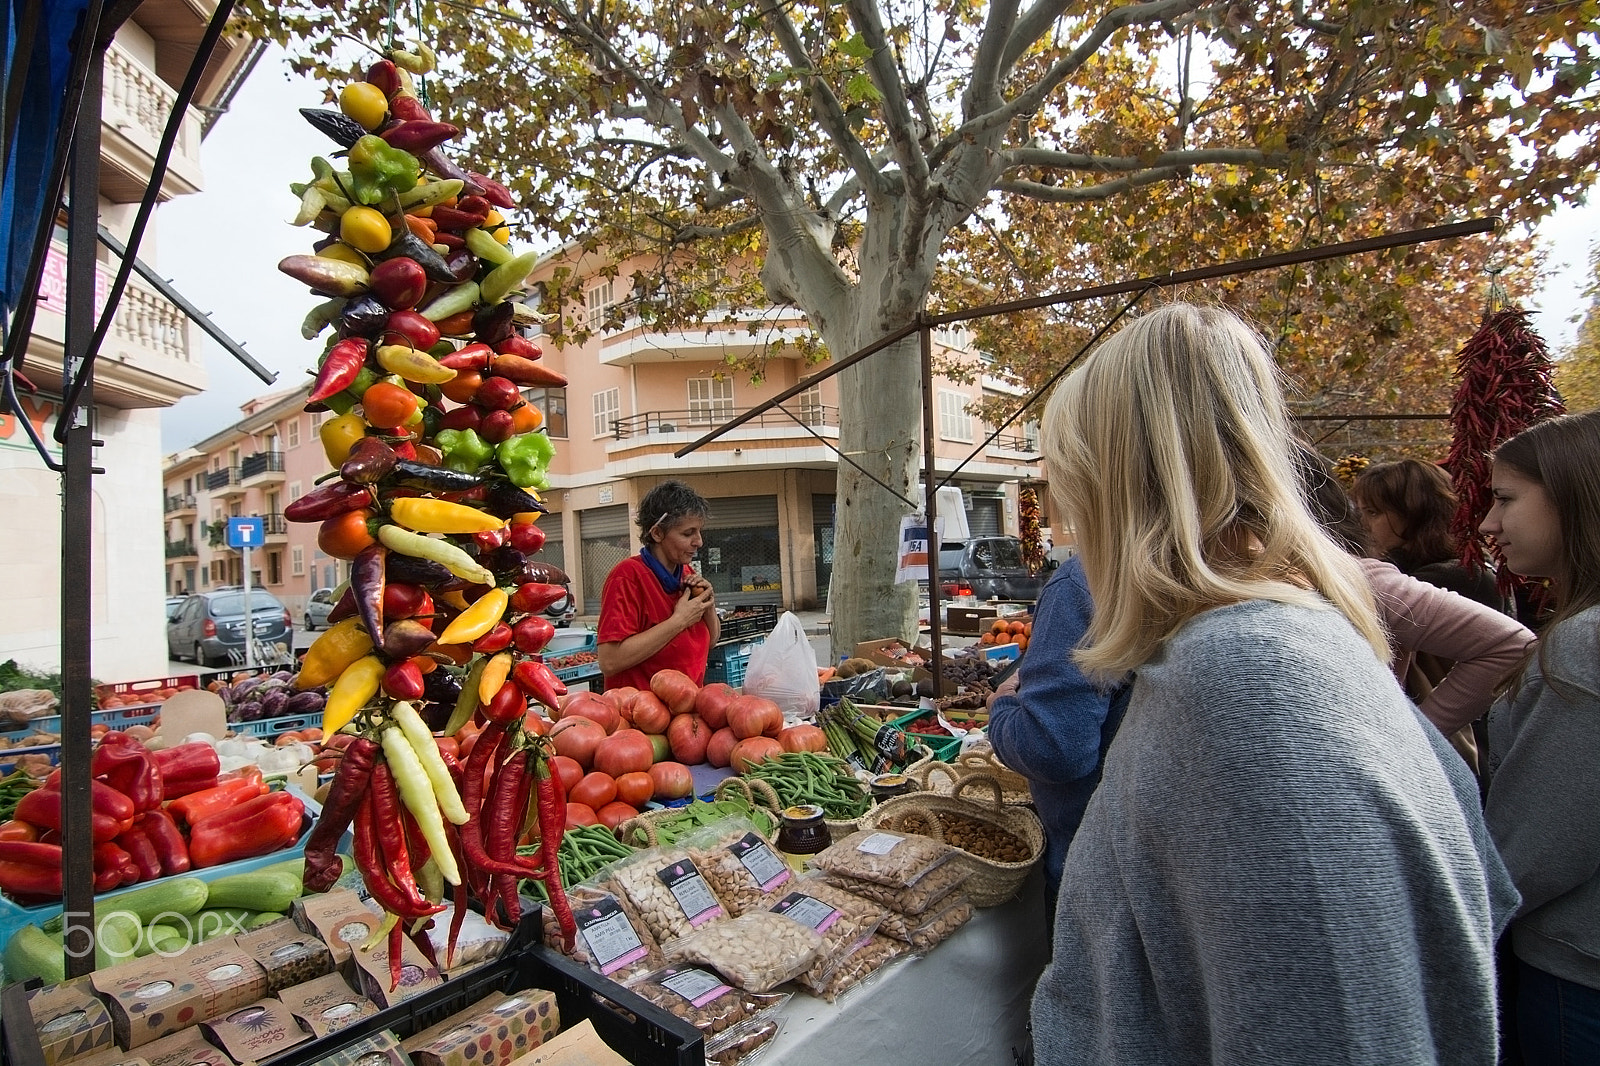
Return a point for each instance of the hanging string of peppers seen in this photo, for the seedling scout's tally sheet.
(439, 461)
(1505, 374)
(1028, 526)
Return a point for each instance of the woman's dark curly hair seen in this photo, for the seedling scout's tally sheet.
(668, 504)
(1419, 497)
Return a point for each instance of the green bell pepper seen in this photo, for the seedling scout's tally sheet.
(379, 170)
(524, 459)
(464, 450)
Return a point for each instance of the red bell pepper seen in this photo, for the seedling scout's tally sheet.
(30, 872)
(127, 766)
(197, 806)
(137, 844)
(258, 826)
(112, 867)
(112, 812)
(198, 759)
(170, 847)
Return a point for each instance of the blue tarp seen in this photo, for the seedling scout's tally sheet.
(31, 157)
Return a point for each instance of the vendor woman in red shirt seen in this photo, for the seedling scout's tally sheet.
(655, 612)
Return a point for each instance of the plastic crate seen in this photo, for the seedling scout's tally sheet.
(945, 749)
(754, 620)
(116, 718)
(636, 1029)
(271, 727)
(124, 688)
(727, 662)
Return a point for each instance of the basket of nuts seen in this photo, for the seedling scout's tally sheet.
(997, 843)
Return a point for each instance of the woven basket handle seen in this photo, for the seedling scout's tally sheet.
(912, 817)
(638, 829)
(925, 779)
(982, 779)
(978, 760)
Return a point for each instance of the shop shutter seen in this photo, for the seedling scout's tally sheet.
(822, 529)
(983, 516)
(554, 551)
(740, 556)
(736, 512)
(607, 540)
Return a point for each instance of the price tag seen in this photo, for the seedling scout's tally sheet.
(808, 910)
(880, 844)
(612, 940)
(891, 743)
(763, 865)
(696, 986)
(683, 880)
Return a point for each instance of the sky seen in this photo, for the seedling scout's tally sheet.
(221, 247)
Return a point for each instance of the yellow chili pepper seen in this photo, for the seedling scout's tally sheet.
(417, 794)
(494, 675)
(528, 516)
(441, 516)
(358, 684)
(444, 553)
(332, 653)
(413, 365)
(340, 434)
(421, 737)
(476, 620)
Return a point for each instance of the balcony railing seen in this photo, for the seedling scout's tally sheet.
(1013, 443)
(261, 463)
(183, 502)
(224, 478)
(177, 549)
(135, 104)
(275, 525)
(815, 416)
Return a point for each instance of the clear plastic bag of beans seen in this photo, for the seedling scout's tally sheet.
(923, 932)
(893, 860)
(844, 919)
(915, 900)
(850, 972)
(612, 939)
(667, 889)
(741, 866)
(757, 951)
(702, 998)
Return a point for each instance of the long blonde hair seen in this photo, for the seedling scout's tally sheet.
(1170, 450)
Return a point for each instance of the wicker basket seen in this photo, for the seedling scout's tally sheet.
(990, 882)
(1013, 786)
(640, 831)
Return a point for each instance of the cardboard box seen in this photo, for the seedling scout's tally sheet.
(874, 650)
(379, 1049)
(327, 1004)
(256, 1032)
(151, 997)
(339, 919)
(186, 1048)
(113, 1056)
(70, 1019)
(969, 620)
(578, 1046)
(417, 974)
(491, 1032)
(290, 955)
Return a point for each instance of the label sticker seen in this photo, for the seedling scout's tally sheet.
(760, 861)
(808, 911)
(880, 844)
(683, 880)
(696, 986)
(612, 940)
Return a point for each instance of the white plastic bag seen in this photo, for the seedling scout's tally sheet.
(784, 669)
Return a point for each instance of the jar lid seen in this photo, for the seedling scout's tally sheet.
(802, 812)
(890, 781)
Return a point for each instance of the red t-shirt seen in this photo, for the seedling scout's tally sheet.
(634, 601)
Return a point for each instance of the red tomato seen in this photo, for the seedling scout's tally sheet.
(635, 789)
(673, 780)
(752, 750)
(387, 404)
(580, 814)
(595, 790)
(624, 752)
(614, 814)
(577, 738)
(345, 536)
(568, 770)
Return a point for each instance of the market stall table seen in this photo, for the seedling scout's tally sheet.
(965, 1002)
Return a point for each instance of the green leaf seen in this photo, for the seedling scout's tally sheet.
(860, 87)
(856, 47)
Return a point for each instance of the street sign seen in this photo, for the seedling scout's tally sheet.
(246, 532)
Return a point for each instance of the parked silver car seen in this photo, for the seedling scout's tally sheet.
(318, 607)
(211, 624)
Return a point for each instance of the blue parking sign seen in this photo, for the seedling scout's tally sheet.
(246, 532)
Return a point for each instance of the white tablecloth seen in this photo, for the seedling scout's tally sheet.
(965, 1002)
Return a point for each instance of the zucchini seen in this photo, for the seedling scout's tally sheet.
(32, 952)
(172, 895)
(221, 921)
(271, 889)
(166, 939)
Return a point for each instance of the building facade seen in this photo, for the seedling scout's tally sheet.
(151, 358)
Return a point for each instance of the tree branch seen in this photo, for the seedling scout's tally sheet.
(1023, 31)
(1051, 159)
(1057, 194)
(983, 87)
(824, 103)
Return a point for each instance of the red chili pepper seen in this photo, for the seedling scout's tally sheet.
(418, 933)
(142, 852)
(496, 193)
(419, 135)
(257, 826)
(471, 832)
(536, 596)
(552, 825)
(405, 107)
(539, 682)
(339, 368)
(475, 356)
(171, 848)
(505, 891)
(496, 640)
(113, 812)
(396, 946)
(499, 823)
(371, 862)
(403, 680)
(328, 501)
(391, 833)
(458, 900)
(16, 829)
(366, 582)
(30, 870)
(345, 795)
(112, 867)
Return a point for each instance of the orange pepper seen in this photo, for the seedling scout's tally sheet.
(425, 228)
(15, 830)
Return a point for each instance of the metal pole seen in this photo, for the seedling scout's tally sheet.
(75, 430)
(249, 619)
(930, 502)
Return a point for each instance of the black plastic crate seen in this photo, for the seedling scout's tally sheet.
(754, 620)
(636, 1029)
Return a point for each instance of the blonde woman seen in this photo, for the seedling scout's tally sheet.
(1283, 863)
